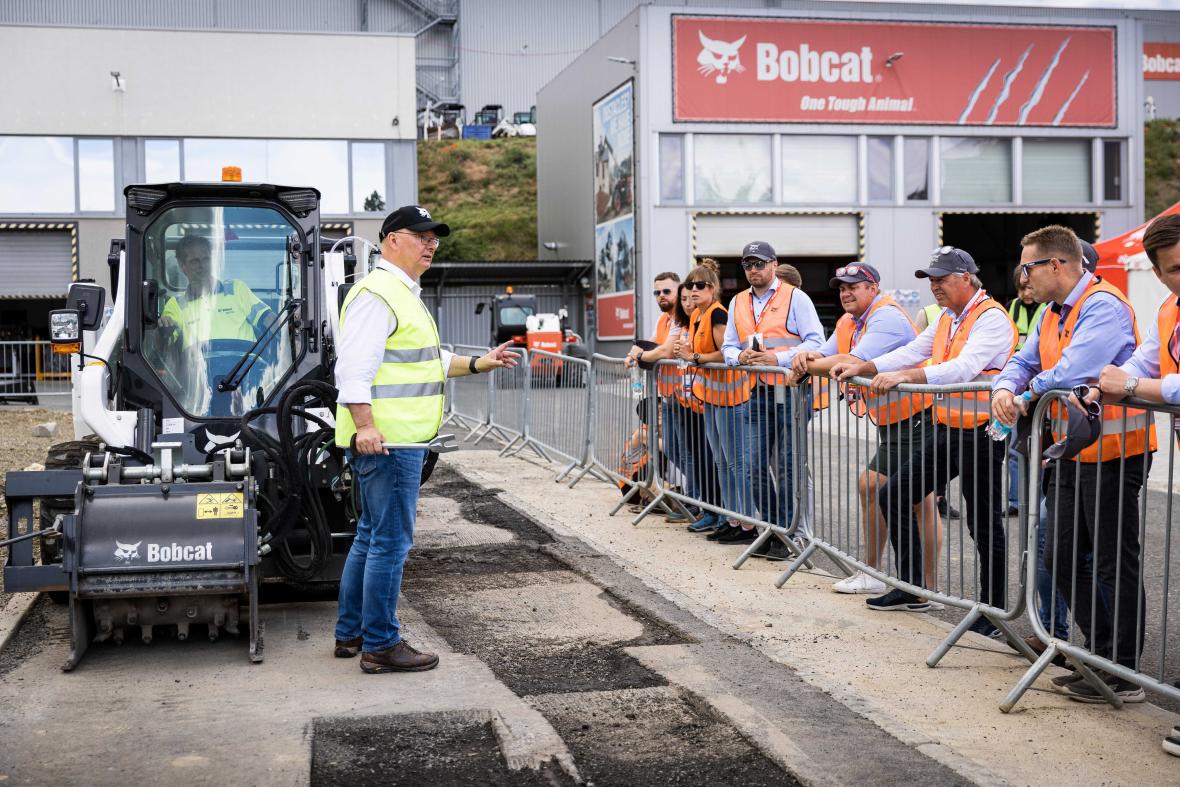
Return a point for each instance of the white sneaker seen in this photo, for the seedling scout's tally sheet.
(860, 582)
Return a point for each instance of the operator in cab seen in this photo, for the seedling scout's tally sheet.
(209, 308)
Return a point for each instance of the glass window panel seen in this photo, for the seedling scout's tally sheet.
(671, 167)
(917, 170)
(975, 170)
(204, 158)
(36, 175)
(322, 164)
(880, 164)
(819, 169)
(1056, 171)
(1112, 171)
(368, 177)
(161, 159)
(96, 175)
(731, 169)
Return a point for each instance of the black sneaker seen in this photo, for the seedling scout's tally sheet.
(778, 550)
(898, 600)
(721, 531)
(1061, 682)
(739, 536)
(1125, 690)
(1172, 742)
(1012, 511)
(985, 627)
(946, 510)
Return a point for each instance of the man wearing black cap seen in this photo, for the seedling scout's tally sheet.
(872, 325)
(390, 373)
(971, 342)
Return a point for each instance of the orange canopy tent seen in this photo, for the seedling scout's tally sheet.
(1118, 254)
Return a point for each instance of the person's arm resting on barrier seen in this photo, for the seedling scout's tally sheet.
(896, 367)
(1144, 364)
(803, 321)
(499, 358)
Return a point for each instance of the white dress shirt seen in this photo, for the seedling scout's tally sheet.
(987, 348)
(360, 350)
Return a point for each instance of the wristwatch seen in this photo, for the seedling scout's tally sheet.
(696, 358)
(1130, 385)
(471, 365)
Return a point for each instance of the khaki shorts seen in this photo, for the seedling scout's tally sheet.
(899, 442)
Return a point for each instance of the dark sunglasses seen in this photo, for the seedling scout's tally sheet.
(1026, 267)
(658, 293)
(758, 265)
(696, 285)
(1092, 408)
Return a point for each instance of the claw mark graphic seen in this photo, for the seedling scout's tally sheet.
(978, 92)
(1009, 78)
(1065, 107)
(1039, 90)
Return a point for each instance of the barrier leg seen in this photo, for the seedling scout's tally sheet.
(948, 643)
(1028, 678)
(564, 472)
(1015, 641)
(758, 542)
(798, 563)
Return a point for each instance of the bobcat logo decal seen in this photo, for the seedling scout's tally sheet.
(720, 58)
(125, 553)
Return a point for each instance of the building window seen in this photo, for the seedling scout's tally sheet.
(733, 169)
(916, 162)
(1056, 171)
(819, 169)
(368, 177)
(880, 169)
(161, 158)
(96, 176)
(671, 168)
(975, 170)
(322, 164)
(1112, 170)
(37, 175)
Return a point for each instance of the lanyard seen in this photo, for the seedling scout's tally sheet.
(758, 320)
(957, 324)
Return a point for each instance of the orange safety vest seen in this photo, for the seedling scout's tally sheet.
(1119, 437)
(1168, 317)
(970, 409)
(718, 387)
(896, 406)
(772, 324)
(667, 375)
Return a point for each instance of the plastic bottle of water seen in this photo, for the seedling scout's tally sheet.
(999, 430)
(636, 382)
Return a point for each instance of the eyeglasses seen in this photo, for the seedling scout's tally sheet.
(658, 293)
(1094, 408)
(696, 285)
(430, 241)
(1026, 267)
(854, 270)
(754, 264)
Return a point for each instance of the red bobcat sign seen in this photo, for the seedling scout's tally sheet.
(749, 69)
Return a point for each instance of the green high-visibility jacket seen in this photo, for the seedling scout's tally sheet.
(231, 311)
(1024, 324)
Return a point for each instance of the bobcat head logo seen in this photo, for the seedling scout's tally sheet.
(720, 58)
(126, 552)
(423, 212)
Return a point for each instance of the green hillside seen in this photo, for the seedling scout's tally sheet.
(1161, 165)
(486, 190)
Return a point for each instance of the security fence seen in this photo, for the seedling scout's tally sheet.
(30, 373)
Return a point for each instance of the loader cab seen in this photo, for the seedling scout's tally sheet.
(510, 314)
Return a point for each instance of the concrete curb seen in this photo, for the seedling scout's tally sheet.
(14, 613)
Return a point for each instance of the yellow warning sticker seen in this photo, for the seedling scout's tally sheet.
(220, 505)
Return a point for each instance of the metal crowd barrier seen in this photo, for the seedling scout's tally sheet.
(511, 399)
(879, 463)
(471, 399)
(30, 372)
(1102, 596)
(559, 416)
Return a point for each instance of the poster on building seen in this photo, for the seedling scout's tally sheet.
(1161, 61)
(746, 69)
(615, 262)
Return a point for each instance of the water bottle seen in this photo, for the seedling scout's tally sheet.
(999, 431)
(636, 382)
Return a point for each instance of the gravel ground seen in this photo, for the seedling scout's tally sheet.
(19, 449)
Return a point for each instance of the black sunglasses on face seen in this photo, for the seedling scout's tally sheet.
(696, 285)
(1026, 267)
(658, 293)
(754, 264)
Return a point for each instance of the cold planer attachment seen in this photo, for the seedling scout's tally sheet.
(161, 545)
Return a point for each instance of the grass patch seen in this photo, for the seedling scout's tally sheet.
(1161, 165)
(486, 190)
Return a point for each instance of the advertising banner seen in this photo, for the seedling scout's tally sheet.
(746, 69)
(1161, 61)
(615, 262)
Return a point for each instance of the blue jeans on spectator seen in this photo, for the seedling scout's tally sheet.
(1015, 480)
(676, 444)
(372, 577)
(723, 430)
(1058, 626)
(767, 435)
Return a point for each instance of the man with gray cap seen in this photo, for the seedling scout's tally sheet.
(390, 373)
(768, 324)
(971, 341)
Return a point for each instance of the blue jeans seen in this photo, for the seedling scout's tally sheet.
(676, 447)
(1015, 479)
(767, 438)
(723, 429)
(1047, 592)
(372, 578)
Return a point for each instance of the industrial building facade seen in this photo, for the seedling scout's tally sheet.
(843, 134)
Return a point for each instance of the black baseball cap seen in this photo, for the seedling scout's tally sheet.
(851, 274)
(413, 218)
(759, 249)
(1089, 256)
(946, 260)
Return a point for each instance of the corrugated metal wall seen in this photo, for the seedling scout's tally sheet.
(459, 324)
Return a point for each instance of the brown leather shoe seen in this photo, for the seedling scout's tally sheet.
(1038, 647)
(402, 657)
(347, 648)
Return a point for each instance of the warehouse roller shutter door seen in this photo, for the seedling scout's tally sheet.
(791, 235)
(35, 264)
